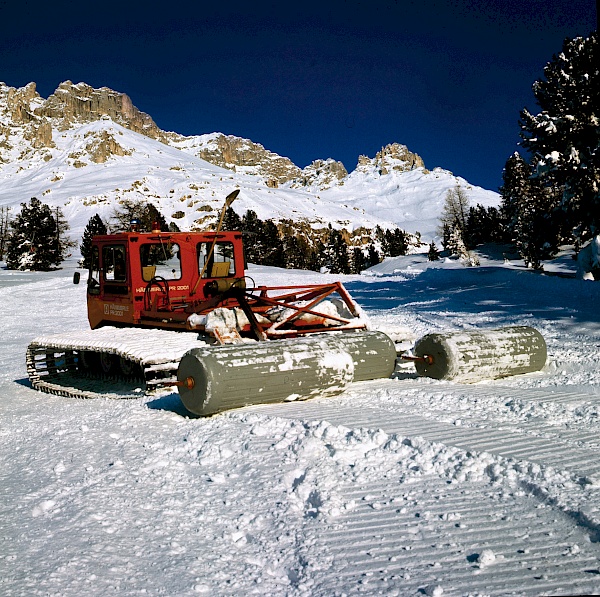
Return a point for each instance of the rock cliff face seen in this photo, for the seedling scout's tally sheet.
(240, 155)
(71, 104)
(321, 174)
(391, 157)
(26, 117)
(24, 111)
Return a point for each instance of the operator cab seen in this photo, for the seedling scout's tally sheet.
(135, 276)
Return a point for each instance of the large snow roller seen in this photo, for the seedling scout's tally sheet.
(471, 356)
(215, 379)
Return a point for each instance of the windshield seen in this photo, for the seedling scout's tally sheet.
(161, 260)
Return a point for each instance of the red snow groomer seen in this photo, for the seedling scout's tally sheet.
(177, 308)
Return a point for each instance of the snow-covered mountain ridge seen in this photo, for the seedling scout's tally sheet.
(86, 149)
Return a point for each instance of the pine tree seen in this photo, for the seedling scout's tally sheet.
(335, 253)
(231, 221)
(253, 229)
(374, 258)
(528, 208)
(94, 227)
(564, 137)
(296, 252)
(273, 245)
(433, 254)
(398, 243)
(485, 225)
(359, 261)
(37, 239)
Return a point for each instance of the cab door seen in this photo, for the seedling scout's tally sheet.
(109, 286)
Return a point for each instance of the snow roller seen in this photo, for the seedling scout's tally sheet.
(220, 378)
(214, 379)
(472, 356)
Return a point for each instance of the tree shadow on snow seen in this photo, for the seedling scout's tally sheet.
(503, 293)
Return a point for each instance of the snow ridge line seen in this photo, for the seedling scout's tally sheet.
(530, 460)
(381, 501)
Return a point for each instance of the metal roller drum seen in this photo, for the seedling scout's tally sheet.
(472, 356)
(227, 377)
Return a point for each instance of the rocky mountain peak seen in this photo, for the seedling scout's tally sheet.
(80, 103)
(321, 174)
(391, 157)
(240, 155)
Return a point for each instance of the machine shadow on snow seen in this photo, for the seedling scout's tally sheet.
(171, 403)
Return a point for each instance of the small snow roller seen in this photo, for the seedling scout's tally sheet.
(472, 356)
(215, 379)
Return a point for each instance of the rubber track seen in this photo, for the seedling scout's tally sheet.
(52, 360)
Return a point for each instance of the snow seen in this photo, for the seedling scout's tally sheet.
(402, 486)
(190, 192)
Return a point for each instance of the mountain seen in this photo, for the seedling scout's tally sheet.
(85, 149)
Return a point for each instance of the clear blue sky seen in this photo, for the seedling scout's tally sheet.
(314, 80)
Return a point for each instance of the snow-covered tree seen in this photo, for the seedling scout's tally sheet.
(94, 227)
(37, 239)
(4, 229)
(333, 253)
(433, 254)
(564, 136)
(453, 221)
(529, 209)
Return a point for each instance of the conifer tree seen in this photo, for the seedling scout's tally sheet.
(374, 257)
(253, 229)
(273, 245)
(485, 225)
(335, 253)
(564, 137)
(296, 252)
(231, 221)
(397, 242)
(359, 261)
(433, 254)
(94, 227)
(528, 207)
(37, 239)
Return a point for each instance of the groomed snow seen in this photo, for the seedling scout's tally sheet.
(404, 486)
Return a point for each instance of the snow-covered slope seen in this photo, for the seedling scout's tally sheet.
(412, 199)
(85, 149)
(400, 487)
(184, 188)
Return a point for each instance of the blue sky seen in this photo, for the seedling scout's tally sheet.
(315, 79)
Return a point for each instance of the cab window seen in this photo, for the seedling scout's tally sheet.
(94, 273)
(113, 263)
(219, 264)
(161, 260)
